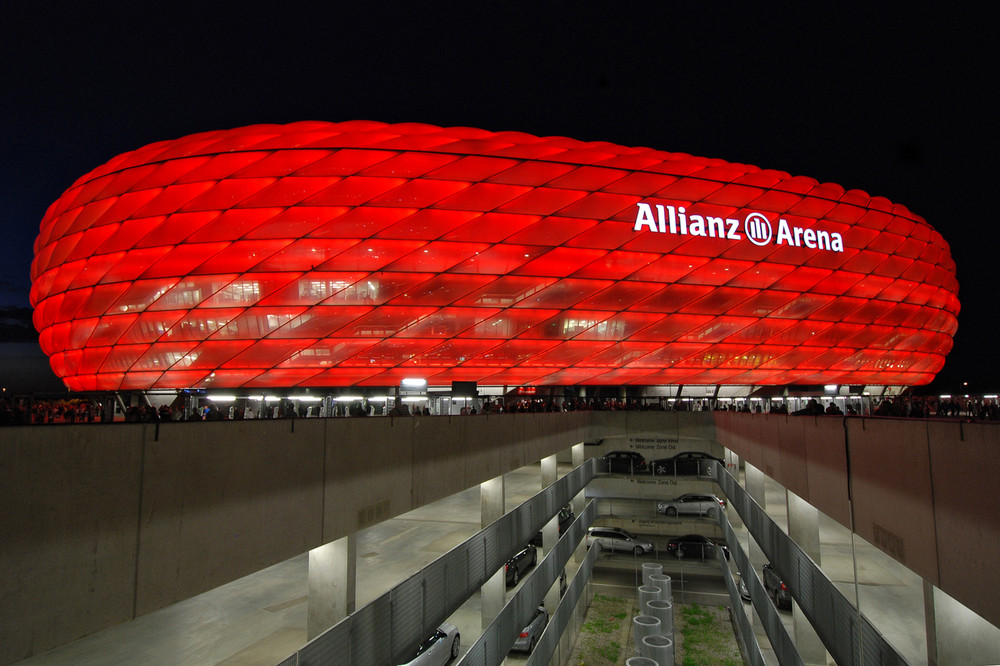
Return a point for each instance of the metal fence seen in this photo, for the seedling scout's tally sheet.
(781, 642)
(493, 646)
(387, 630)
(848, 635)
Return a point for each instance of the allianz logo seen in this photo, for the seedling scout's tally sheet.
(756, 227)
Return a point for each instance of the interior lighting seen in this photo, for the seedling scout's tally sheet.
(222, 398)
(414, 382)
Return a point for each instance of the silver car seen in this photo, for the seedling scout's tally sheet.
(617, 539)
(528, 638)
(700, 504)
(439, 648)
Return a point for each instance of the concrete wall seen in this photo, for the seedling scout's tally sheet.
(924, 492)
(102, 523)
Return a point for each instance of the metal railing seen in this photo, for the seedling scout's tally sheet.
(496, 641)
(846, 633)
(387, 630)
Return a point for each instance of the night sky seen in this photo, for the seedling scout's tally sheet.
(894, 102)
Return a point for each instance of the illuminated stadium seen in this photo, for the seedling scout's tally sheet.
(358, 254)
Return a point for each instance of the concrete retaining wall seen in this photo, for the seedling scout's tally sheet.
(923, 491)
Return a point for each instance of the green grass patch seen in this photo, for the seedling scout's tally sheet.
(602, 630)
(708, 637)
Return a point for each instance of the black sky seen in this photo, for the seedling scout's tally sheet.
(897, 101)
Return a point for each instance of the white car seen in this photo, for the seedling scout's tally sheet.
(617, 539)
(439, 648)
(700, 504)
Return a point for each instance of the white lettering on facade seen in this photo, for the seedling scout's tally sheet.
(676, 220)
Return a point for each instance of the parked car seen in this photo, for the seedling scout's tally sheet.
(700, 504)
(528, 637)
(776, 588)
(741, 587)
(566, 517)
(687, 462)
(439, 648)
(521, 562)
(625, 462)
(696, 546)
(617, 539)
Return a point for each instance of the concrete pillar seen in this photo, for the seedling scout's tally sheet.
(930, 624)
(753, 482)
(733, 465)
(332, 584)
(580, 501)
(491, 495)
(550, 532)
(961, 635)
(803, 529)
(550, 471)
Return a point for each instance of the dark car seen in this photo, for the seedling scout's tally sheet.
(517, 565)
(625, 462)
(776, 588)
(695, 546)
(566, 517)
(528, 637)
(684, 463)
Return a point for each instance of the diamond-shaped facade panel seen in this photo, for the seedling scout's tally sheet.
(338, 254)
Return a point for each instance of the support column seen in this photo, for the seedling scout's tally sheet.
(491, 594)
(332, 584)
(930, 624)
(733, 465)
(550, 532)
(580, 500)
(803, 529)
(550, 472)
(753, 482)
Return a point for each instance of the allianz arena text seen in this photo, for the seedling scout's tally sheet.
(360, 253)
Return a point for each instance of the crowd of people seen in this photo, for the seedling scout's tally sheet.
(75, 411)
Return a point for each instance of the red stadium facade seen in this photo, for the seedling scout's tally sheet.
(358, 254)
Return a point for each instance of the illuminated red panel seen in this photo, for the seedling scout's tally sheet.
(360, 253)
